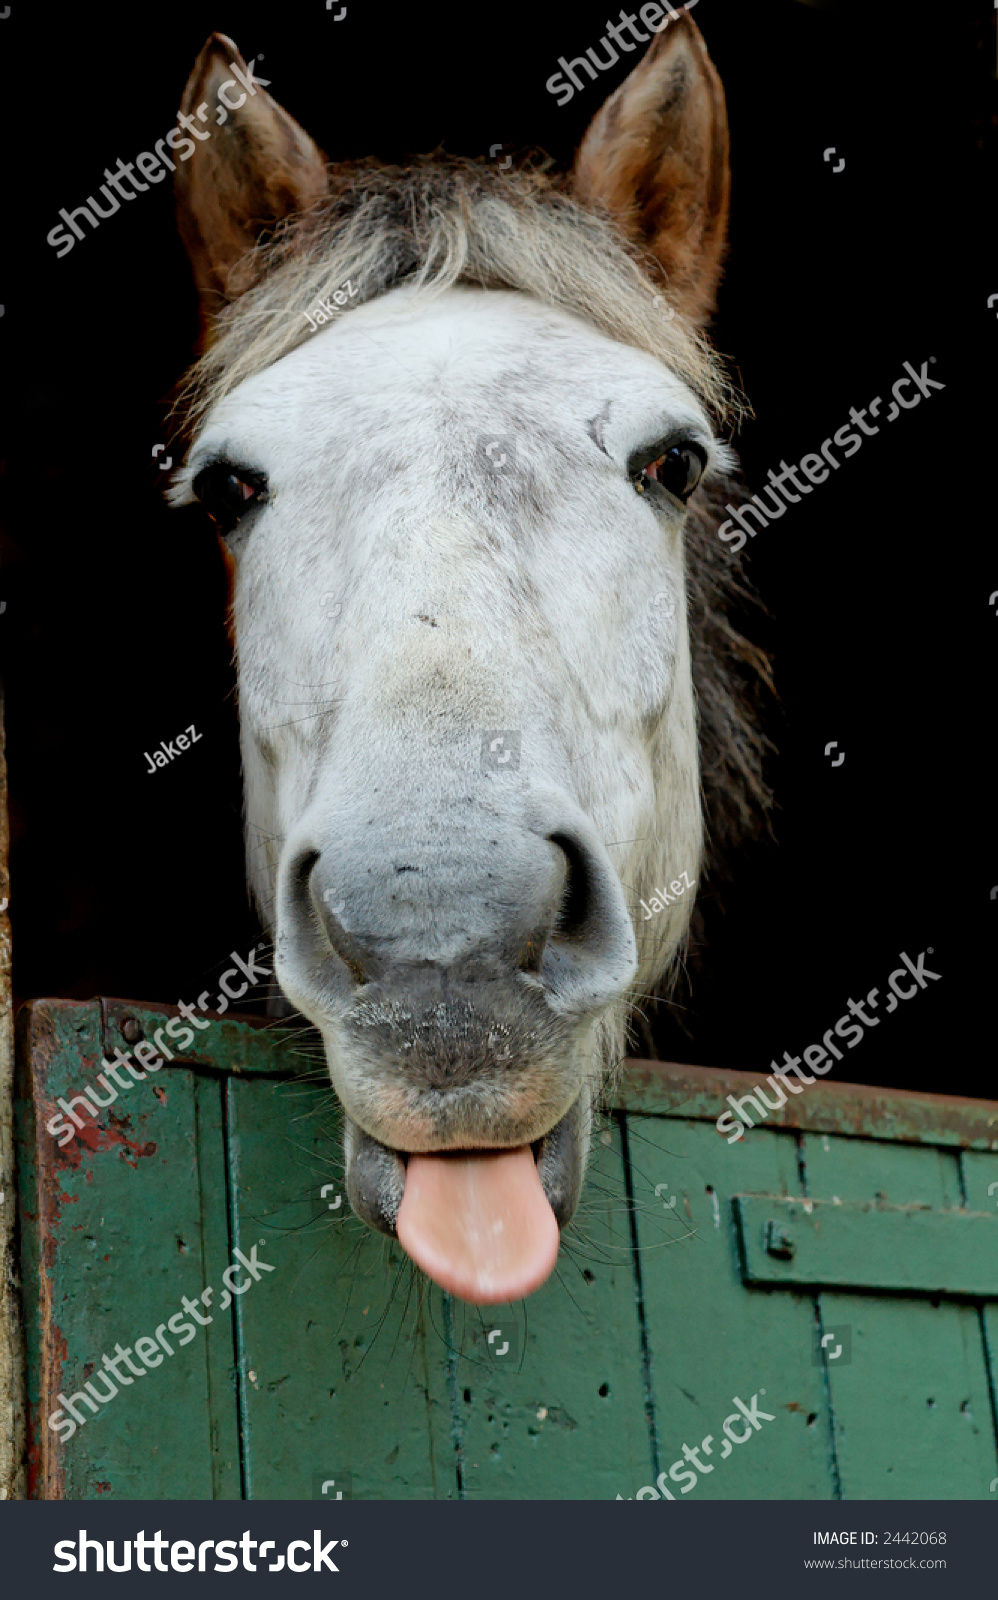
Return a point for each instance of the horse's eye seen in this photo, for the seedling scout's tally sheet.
(678, 469)
(227, 492)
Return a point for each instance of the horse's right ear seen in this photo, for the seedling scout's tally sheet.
(251, 166)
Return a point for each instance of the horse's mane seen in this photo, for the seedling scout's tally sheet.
(442, 221)
(433, 224)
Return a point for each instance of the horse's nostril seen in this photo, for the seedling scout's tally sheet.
(327, 904)
(575, 908)
(568, 906)
(548, 914)
(589, 956)
(301, 872)
(312, 931)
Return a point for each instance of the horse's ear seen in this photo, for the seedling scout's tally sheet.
(255, 166)
(656, 156)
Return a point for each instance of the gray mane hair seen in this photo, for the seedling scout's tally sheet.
(435, 224)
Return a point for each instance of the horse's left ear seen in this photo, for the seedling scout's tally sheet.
(656, 156)
(251, 166)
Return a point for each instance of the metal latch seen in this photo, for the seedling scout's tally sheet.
(912, 1249)
(778, 1241)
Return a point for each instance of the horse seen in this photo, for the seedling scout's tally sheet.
(460, 432)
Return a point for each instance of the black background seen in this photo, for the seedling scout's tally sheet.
(877, 585)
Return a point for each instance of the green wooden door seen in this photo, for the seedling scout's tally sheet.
(819, 1302)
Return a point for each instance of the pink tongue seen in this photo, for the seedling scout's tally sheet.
(479, 1223)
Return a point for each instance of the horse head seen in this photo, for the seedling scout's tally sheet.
(455, 425)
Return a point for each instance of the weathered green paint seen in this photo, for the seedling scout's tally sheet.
(979, 1181)
(132, 1218)
(342, 1364)
(710, 1340)
(663, 1089)
(568, 1421)
(868, 1246)
(240, 1045)
(912, 1408)
(339, 1376)
(979, 1185)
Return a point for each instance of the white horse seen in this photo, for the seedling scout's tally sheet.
(456, 427)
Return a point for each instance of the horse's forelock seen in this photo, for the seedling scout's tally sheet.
(432, 225)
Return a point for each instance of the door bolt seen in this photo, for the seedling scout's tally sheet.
(778, 1241)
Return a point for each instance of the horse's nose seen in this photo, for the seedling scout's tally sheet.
(509, 918)
(542, 909)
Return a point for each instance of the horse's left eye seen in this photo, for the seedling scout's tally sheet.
(678, 469)
(228, 492)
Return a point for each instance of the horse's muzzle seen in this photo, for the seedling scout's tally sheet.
(375, 1174)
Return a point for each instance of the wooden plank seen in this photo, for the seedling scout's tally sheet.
(329, 1390)
(836, 1170)
(119, 1225)
(561, 1416)
(909, 1395)
(868, 1245)
(343, 1361)
(979, 1173)
(12, 1421)
(207, 1174)
(979, 1179)
(253, 1045)
(260, 1045)
(665, 1089)
(711, 1339)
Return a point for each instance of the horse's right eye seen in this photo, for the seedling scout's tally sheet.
(228, 492)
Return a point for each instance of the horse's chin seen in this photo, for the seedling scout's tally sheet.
(483, 1223)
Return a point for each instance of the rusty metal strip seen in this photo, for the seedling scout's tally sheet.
(853, 1110)
(42, 1041)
